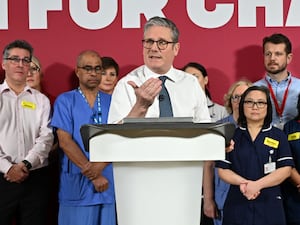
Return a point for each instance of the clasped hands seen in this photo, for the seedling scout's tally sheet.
(17, 173)
(93, 172)
(250, 189)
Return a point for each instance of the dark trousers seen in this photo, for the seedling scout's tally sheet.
(26, 202)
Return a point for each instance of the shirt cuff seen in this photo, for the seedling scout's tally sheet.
(5, 166)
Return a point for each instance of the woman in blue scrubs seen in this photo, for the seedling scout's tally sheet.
(260, 161)
(291, 187)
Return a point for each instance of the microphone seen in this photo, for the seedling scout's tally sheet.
(161, 97)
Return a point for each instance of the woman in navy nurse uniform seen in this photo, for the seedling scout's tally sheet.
(291, 187)
(260, 161)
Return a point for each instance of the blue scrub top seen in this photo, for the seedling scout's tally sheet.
(71, 111)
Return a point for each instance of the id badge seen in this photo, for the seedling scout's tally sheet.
(279, 125)
(269, 167)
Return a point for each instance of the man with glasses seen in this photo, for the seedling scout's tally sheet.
(139, 93)
(25, 141)
(283, 86)
(86, 191)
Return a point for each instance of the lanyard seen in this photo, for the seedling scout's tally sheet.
(96, 115)
(279, 110)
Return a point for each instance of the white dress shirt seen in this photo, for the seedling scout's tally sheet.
(25, 128)
(187, 97)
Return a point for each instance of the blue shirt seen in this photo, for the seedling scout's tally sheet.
(289, 111)
(71, 111)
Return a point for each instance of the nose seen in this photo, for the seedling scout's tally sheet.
(272, 57)
(154, 47)
(109, 77)
(255, 105)
(93, 72)
(20, 63)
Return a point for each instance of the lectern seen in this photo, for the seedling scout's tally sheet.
(157, 167)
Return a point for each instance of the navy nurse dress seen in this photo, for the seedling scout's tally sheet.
(248, 159)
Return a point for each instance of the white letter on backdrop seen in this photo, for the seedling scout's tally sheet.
(93, 20)
(273, 12)
(132, 10)
(293, 18)
(3, 14)
(38, 12)
(209, 19)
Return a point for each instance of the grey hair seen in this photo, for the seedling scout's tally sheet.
(163, 22)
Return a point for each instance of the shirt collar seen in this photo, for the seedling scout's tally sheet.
(263, 130)
(285, 80)
(170, 74)
(4, 87)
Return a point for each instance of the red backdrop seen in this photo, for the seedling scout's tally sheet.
(229, 52)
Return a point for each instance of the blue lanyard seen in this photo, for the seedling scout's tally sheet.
(96, 115)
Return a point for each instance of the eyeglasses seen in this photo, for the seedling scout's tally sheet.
(236, 98)
(90, 69)
(259, 104)
(16, 60)
(34, 69)
(161, 44)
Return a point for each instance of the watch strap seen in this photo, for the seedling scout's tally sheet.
(27, 164)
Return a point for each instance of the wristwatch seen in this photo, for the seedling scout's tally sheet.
(27, 164)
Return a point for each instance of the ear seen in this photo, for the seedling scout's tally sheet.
(176, 48)
(205, 79)
(76, 71)
(3, 65)
(289, 58)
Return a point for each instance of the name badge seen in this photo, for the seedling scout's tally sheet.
(271, 142)
(294, 136)
(28, 105)
(269, 167)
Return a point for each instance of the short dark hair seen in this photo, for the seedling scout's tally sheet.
(108, 62)
(242, 121)
(17, 44)
(278, 38)
(198, 66)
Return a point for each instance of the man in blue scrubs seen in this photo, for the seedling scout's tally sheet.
(86, 191)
